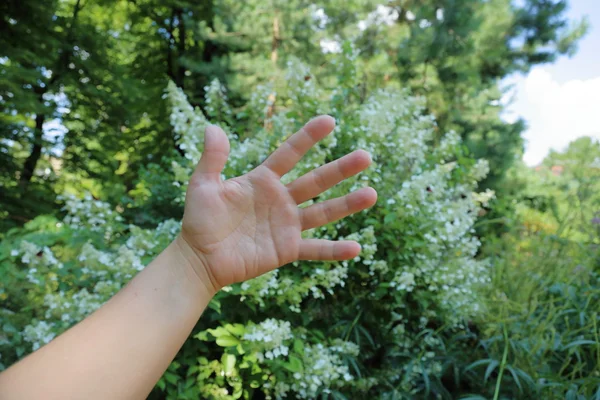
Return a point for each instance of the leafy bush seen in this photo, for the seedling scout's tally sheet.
(544, 315)
(540, 334)
(371, 326)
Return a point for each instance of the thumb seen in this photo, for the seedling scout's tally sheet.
(216, 151)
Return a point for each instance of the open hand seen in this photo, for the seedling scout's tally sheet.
(246, 226)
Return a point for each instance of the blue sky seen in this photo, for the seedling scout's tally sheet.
(561, 101)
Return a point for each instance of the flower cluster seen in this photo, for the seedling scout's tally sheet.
(35, 256)
(284, 290)
(448, 145)
(320, 367)
(484, 198)
(188, 124)
(105, 271)
(216, 105)
(38, 334)
(40, 262)
(95, 215)
(271, 337)
(262, 99)
(72, 309)
(323, 368)
(444, 262)
(302, 88)
(392, 124)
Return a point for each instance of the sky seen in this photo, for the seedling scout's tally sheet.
(561, 101)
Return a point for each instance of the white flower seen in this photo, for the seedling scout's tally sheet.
(39, 334)
(323, 367)
(271, 334)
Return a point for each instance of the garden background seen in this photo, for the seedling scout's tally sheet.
(480, 274)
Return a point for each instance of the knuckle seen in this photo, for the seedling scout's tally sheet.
(294, 149)
(319, 180)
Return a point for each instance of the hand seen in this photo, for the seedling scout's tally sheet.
(246, 226)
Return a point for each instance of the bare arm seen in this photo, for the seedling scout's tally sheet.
(232, 231)
(120, 351)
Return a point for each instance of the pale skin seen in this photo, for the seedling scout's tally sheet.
(232, 231)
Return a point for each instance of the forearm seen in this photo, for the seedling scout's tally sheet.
(121, 350)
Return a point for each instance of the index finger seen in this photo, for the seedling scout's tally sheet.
(282, 160)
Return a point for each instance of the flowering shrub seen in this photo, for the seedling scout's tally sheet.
(370, 326)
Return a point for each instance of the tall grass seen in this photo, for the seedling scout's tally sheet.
(543, 312)
(539, 337)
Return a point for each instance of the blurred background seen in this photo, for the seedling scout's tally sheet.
(83, 112)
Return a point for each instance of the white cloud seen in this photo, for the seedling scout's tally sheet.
(556, 113)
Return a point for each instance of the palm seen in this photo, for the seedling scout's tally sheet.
(249, 225)
(250, 221)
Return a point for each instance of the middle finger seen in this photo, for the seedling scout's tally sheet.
(315, 182)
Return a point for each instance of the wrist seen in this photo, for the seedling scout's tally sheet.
(196, 264)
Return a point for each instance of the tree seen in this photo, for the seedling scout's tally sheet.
(455, 53)
(98, 64)
(58, 68)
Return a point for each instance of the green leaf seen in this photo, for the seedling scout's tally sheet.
(490, 368)
(240, 349)
(238, 393)
(171, 377)
(294, 365)
(255, 384)
(236, 329)
(189, 383)
(319, 334)
(355, 366)
(426, 381)
(227, 341)
(367, 335)
(299, 346)
(478, 363)
(201, 336)
(579, 343)
(9, 328)
(515, 378)
(338, 396)
(391, 217)
(218, 332)
(228, 361)
(215, 305)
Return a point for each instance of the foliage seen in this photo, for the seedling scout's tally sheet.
(542, 324)
(544, 316)
(454, 53)
(80, 81)
(415, 280)
(94, 163)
